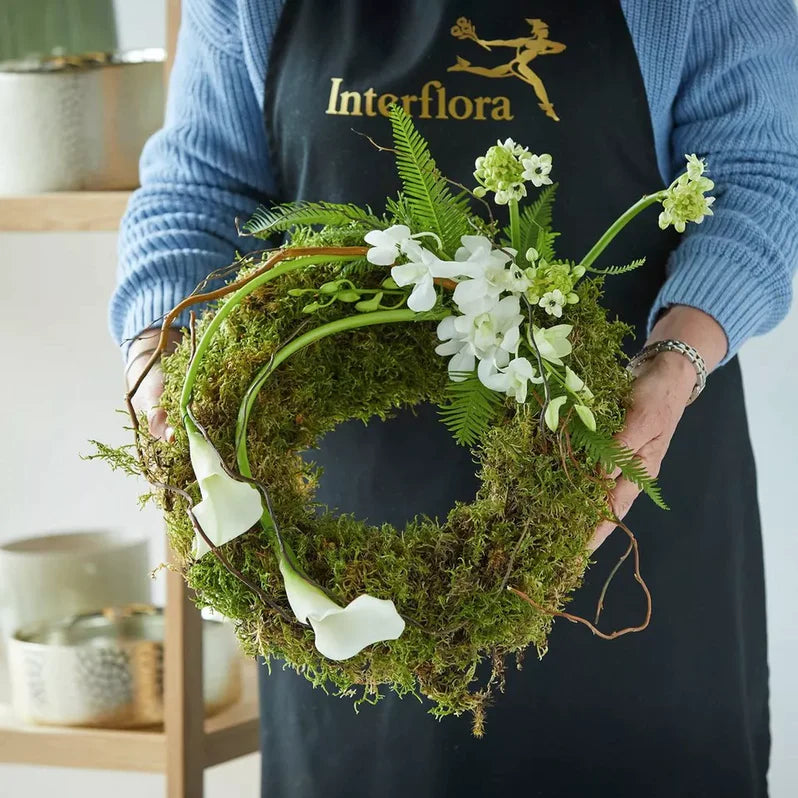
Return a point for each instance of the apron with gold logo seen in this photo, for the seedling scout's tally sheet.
(679, 710)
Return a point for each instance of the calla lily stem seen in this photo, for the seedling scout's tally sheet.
(618, 225)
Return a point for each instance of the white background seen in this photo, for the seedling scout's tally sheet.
(61, 386)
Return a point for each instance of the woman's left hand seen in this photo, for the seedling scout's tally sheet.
(661, 391)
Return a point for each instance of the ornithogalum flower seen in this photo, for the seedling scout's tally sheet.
(229, 507)
(341, 632)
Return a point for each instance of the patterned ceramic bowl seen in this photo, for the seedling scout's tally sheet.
(106, 669)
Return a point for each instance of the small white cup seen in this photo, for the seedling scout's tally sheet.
(47, 577)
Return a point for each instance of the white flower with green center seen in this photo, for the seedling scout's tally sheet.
(421, 273)
(513, 380)
(229, 507)
(490, 337)
(340, 632)
(552, 342)
(552, 302)
(537, 169)
(500, 170)
(684, 199)
(388, 245)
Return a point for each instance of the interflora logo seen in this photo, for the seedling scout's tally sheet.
(433, 100)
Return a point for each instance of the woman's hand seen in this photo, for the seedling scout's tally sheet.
(661, 390)
(148, 395)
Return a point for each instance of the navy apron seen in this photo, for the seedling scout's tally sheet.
(679, 710)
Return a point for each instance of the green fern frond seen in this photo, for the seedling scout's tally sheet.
(279, 218)
(471, 409)
(545, 244)
(536, 219)
(397, 210)
(629, 267)
(610, 454)
(432, 204)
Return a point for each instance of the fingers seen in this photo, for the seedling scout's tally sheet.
(148, 395)
(625, 492)
(159, 425)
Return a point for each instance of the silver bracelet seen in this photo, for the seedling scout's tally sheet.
(672, 345)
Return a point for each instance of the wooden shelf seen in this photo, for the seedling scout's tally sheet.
(228, 734)
(63, 211)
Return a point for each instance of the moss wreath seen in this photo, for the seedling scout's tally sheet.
(264, 374)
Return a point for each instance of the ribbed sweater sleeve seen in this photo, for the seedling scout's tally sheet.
(737, 106)
(207, 166)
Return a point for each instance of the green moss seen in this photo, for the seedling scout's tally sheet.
(527, 526)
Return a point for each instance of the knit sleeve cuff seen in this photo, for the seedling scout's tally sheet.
(151, 302)
(714, 274)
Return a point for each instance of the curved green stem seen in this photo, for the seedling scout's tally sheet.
(325, 330)
(225, 310)
(515, 225)
(618, 225)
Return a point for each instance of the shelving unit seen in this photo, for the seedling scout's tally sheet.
(63, 211)
(188, 743)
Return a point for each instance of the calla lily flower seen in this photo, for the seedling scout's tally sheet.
(341, 632)
(229, 507)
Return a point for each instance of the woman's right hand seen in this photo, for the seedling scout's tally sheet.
(147, 397)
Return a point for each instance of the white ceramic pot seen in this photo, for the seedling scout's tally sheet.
(47, 577)
(107, 669)
(78, 124)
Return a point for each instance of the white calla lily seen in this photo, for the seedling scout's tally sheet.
(552, 342)
(341, 632)
(229, 507)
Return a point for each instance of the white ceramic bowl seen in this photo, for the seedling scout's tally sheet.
(49, 576)
(75, 124)
(106, 669)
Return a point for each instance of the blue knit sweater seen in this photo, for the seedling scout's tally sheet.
(721, 77)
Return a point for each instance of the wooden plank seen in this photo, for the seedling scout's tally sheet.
(235, 731)
(184, 710)
(63, 211)
(172, 28)
(107, 749)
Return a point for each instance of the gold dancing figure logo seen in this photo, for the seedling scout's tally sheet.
(527, 48)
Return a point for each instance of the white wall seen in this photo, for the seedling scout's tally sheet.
(61, 385)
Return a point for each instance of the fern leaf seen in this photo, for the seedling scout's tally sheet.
(432, 204)
(536, 219)
(545, 244)
(471, 409)
(629, 267)
(610, 454)
(279, 218)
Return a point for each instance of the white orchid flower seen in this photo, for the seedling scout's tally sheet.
(387, 245)
(490, 336)
(421, 271)
(229, 507)
(488, 273)
(341, 632)
(552, 342)
(513, 380)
